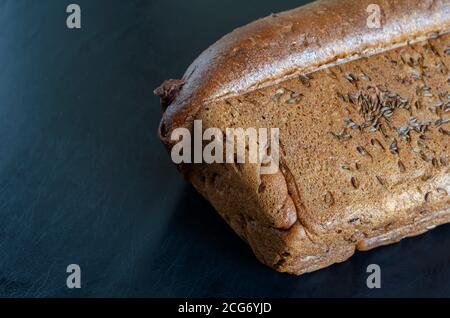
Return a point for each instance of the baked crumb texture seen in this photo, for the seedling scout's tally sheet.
(364, 158)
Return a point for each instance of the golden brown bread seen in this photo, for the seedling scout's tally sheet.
(362, 114)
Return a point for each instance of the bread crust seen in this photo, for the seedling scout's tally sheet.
(283, 45)
(314, 212)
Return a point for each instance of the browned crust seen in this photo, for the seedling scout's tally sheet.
(298, 41)
(259, 55)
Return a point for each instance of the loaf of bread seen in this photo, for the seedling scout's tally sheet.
(362, 106)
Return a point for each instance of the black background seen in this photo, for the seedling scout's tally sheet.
(84, 179)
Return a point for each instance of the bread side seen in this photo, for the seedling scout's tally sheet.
(321, 76)
(343, 184)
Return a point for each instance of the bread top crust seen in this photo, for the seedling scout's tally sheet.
(290, 43)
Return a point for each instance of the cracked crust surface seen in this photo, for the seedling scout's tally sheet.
(364, 142)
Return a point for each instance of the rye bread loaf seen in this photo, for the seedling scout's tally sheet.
(363, 118)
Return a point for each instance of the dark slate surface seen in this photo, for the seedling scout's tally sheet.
(83, 178)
